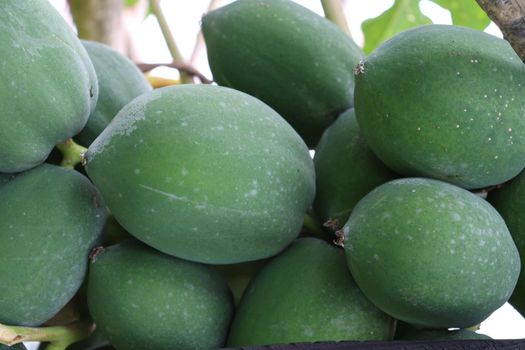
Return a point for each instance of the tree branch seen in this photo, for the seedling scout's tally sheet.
(186, 68)
(509, 16)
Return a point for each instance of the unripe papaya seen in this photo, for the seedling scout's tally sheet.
(119, 81)
(143, 299)
(48, 86)
(431, 254)
(204, 173)
(508, 201)
(50, 219)
(5, 178)
(306, 294)
(346, 170)
(296, 61)
(444, 102)
(18, 346)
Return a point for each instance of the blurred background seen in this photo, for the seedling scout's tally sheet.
(132, 27)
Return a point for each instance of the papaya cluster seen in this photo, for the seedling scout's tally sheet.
(183, 227)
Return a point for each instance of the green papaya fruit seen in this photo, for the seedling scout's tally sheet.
(119, 81)
(48, 86)
(306, 294)
(50, 219)
(508, 201)
(5, 178)
(143, 299)
(430, 253)
(345, 169)
(444, 102)
(443, 334)
(296, 61)
(204, 173)
(18, 346)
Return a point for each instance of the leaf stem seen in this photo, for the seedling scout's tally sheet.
(59, 337)
(333, 10)
(72, 153)
(170, 40)
(199, 42)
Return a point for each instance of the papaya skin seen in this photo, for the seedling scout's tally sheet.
(444, 102)
(120, 81)
(346, 170)
(48, 86)
(50, 219)
(296, 61)
(430, 253)
(204, 173)
(508, 200)
(143, 299)
(306, 294)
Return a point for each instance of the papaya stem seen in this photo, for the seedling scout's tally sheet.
(313, 226)
(169, 39)
(60, 336)
(72, 153)
(333, 10)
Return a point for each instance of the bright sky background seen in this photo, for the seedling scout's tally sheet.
(184, 18)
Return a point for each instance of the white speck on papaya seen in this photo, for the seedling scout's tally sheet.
(184, 172)
(136, 171)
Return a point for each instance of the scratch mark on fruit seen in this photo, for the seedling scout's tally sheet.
(166, 194)
(198, 203)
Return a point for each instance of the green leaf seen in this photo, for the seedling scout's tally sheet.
(402, 15)
(130, 3)
(465, 13)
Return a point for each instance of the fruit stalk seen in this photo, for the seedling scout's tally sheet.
(334, 12)
(508, 16)
(59, 337)
(72, 153)
(170, 40)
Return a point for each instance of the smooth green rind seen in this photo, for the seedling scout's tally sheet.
(430, 253)
(19, 346)
(508, 201)
(143, 299)
(345, 169)
(48, 86)
(50, 219)
(119, 80)
(5, 178)
(296, 61)
(445, 102)
(306, 294)
(204, 173)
